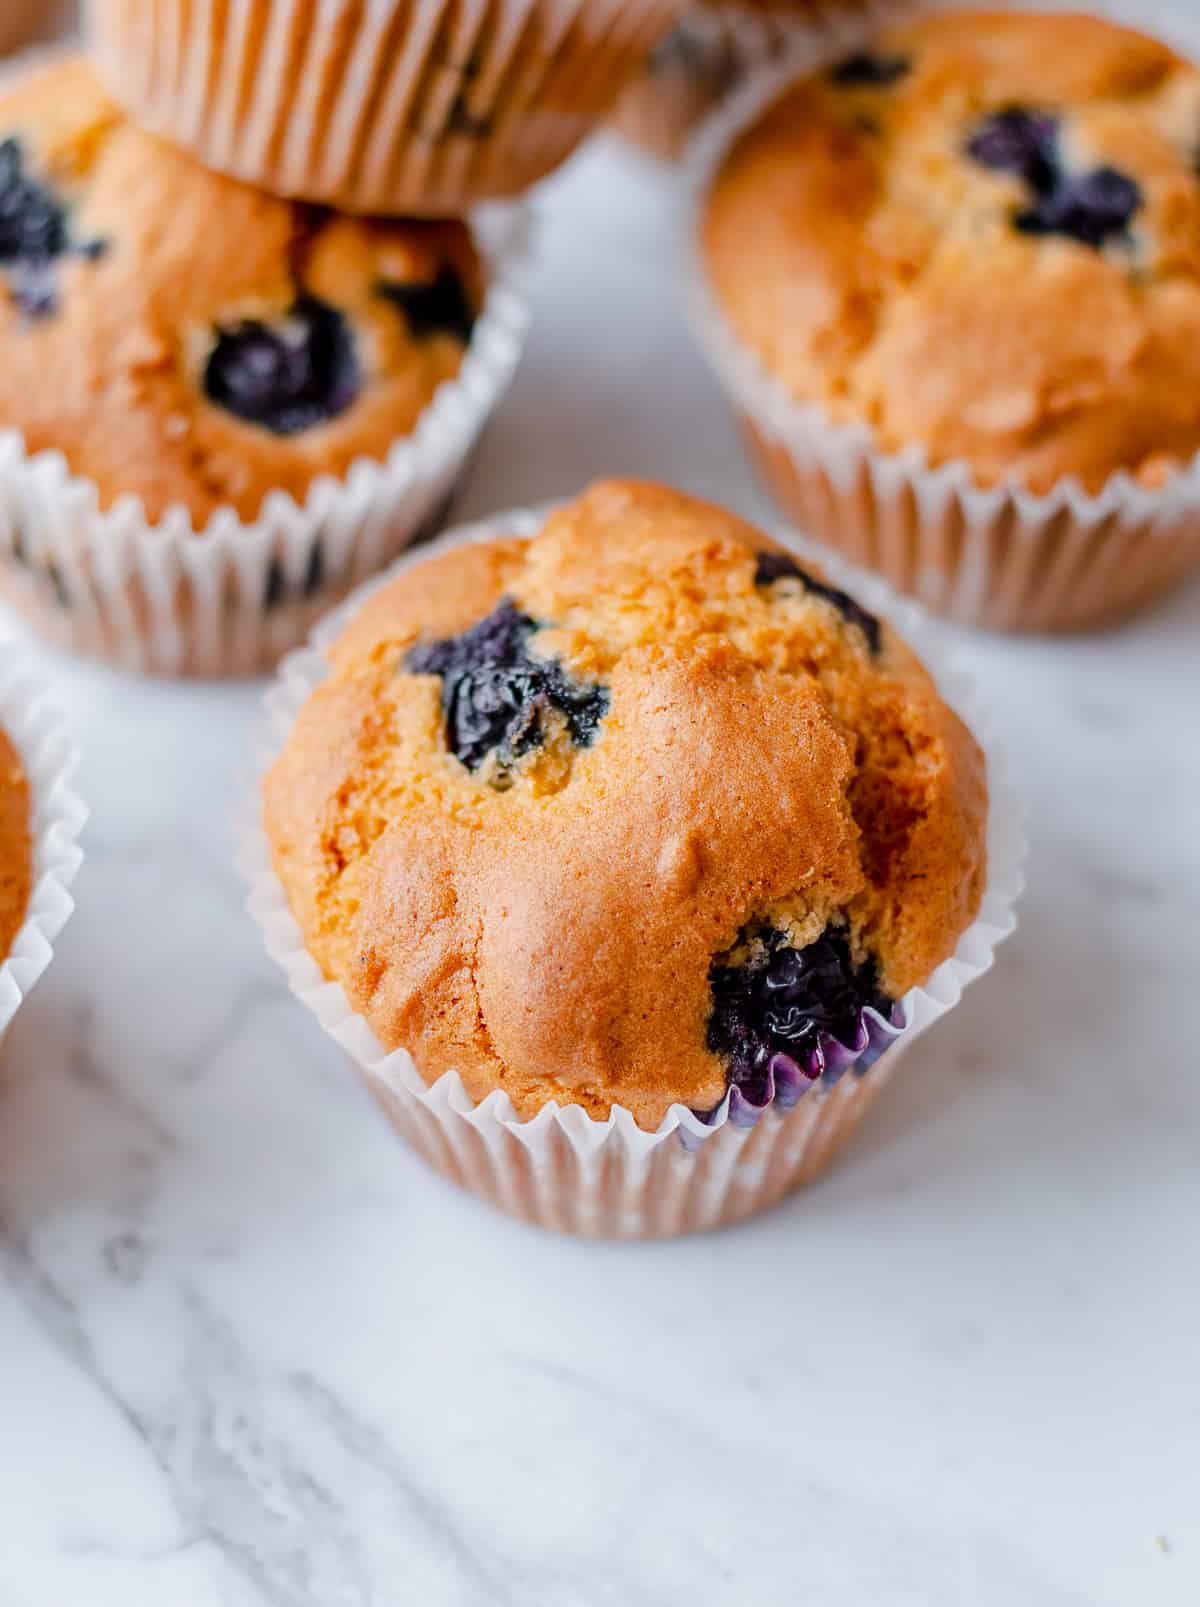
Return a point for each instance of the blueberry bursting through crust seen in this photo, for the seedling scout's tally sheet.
(497, 699)
(287, 376)
(303, 370)
(865, 70)
(773, 566)
(1090, 207)
(34, 233)
(786, 1017)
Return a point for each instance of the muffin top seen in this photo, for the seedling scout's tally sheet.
(193, 341)
(570, 813)
(16, 844)
(981, 236)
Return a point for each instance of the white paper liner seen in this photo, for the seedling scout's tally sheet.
(408, 108)
(38, 733)
(1002, 556)
(563, 1169)
(231, 598)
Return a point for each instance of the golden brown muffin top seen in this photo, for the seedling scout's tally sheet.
(981, 236)
(190, 340)
(16, 844)
(676, 750)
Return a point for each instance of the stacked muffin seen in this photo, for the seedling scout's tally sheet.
(224, 402)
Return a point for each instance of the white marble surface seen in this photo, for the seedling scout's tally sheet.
(254, 1354)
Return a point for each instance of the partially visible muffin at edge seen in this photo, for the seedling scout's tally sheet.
(980, 236)
(16, 843)
(555, 794)
(189, 340)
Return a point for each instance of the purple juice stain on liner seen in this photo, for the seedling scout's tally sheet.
(497, 697)
(787, 1019)
(1091, 207)
(773, 566)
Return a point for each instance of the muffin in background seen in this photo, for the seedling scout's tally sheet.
(627, 826)
(23, 22)
(705, 56)
(203, 357)
(410, 108)
(953, 284)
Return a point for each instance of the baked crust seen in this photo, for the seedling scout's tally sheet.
(874, 267)
(756, 762)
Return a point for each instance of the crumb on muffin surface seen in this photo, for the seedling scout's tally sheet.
(1032, 310)
(759, 763)
(192, 341)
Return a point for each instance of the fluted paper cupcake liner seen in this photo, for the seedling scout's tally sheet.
(399, 108)
(1000, 556)
(711, 50)
(231, 598)
(38, 733)
(563, 1169)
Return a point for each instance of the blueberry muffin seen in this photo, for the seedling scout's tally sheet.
(415, 108)
(16, 844)
(191, 342)
(627, 814)
(702, 59)
(980, 237)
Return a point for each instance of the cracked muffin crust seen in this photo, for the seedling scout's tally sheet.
(621, 814)
(980, 236)
(16, 843)
(188, 340)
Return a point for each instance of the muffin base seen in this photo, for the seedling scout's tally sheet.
(232, 598)
(50, 758)
(421, 109)
(562, 1169)
(1001, 557)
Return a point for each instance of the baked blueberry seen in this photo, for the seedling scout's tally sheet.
(771, 1012)
(497, 698)
(1088, 207)
(34, 231)
(438, 307)
(865, 69)
(1020, 141)
(287, 376)
(773, 566)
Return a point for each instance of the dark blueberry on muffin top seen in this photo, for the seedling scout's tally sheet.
(497, 698)
(286, 376)
(867, 70)
(34, 231)
(778, 1000)
(1020, 141)
(439, 307)
(773, 566)
(1090, 207)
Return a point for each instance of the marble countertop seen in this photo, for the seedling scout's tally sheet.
(253, 1353)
